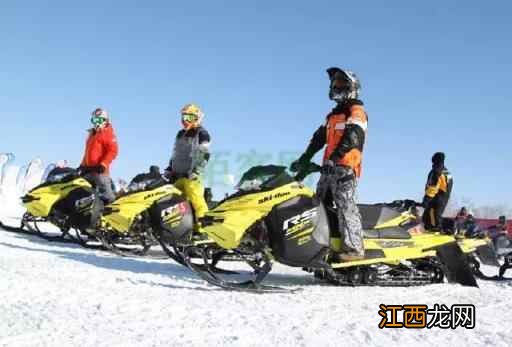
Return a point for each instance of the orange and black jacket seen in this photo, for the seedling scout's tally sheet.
(343, 134)
(439, 181)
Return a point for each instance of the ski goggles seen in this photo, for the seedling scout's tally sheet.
(98, 120)
(187, 117)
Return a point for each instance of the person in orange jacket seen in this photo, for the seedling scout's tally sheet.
(343, 135)
(100, 151)
(437, 193)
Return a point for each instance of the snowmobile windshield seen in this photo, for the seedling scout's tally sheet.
(263, 178)
(146, 184)
(60, 174)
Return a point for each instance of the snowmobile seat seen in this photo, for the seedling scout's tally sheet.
(387, 233)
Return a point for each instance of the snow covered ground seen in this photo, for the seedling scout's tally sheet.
(56, 294)
(60, 295)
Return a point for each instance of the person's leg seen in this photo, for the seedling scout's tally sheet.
(194, 192)
(98, 204)
(441, 202)
(106, 191)
(345, 197)
(429, 217)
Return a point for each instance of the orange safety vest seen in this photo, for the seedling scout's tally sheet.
(336, 128)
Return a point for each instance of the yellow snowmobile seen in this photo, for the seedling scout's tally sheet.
(404, 215)
(65, 200)
(150, 211)
(273, 217)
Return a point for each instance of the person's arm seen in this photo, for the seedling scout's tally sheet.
(203, 153)
(111, 150)
(431, 188)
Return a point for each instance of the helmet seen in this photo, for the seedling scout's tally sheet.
(344, 85)
(191, 116)
(438, 158)
(99, 118)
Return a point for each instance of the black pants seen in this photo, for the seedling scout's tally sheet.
(433, 215)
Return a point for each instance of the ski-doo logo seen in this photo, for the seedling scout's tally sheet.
(272, 197)
(153, 195)
(301, 219)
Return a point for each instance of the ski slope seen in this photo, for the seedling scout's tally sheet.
(60, 294)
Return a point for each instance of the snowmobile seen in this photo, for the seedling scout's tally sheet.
(405, 215)
(65, 200)
(147, 213)
(150, 211)
(274, 217)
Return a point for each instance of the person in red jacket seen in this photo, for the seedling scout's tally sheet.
(100, 151)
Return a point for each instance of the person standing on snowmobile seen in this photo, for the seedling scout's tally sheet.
(437, 193)
(189, 159)
(343, 134)
(100, 151)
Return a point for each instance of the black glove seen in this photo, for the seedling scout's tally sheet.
(84, 170)
(300, 164)
(328, 168)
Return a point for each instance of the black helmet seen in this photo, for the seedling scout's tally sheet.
(344, 84)
(438, 159)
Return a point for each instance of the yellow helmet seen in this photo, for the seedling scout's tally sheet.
(191, 116)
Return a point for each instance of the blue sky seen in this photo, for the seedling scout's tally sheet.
(436, 76)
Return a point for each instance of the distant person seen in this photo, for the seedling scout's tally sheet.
(471, 228)
(499, 229)
(100, 151)
(437, 193)
(460, 221)
(189, 159)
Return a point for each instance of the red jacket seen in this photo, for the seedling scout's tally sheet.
(101, 148)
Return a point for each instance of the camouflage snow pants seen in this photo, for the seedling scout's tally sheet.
(339, 190)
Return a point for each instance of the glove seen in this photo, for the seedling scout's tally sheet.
(300, 164)
(170, 175)
(84, 170)
(80, 170)
(100, 169)
(193, 176)
(328, 168)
